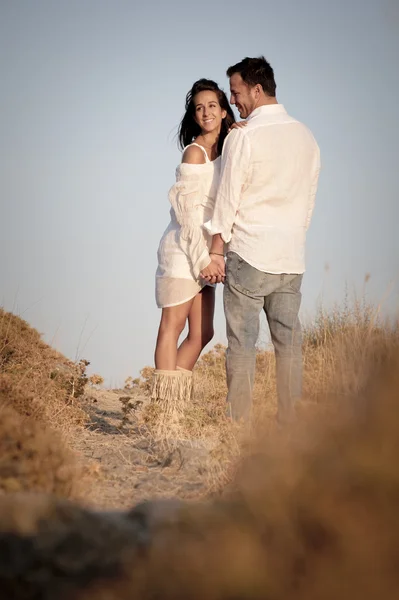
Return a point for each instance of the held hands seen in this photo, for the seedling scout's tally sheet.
(215, 271)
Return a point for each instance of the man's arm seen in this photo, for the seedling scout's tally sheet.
(215, 271)
(234, 171)
(313, 190)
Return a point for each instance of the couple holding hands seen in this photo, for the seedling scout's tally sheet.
(240, 209)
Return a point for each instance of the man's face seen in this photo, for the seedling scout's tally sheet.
(242, 96)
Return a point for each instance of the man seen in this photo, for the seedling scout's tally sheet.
(264, 205)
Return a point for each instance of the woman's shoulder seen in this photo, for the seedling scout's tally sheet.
(193, 155)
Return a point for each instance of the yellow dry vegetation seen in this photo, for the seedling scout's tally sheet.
(310, 511)
(39, 404)
(312, 514)
(340, 346)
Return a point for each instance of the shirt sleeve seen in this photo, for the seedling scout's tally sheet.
(234, 173)
(313, 189)
(185, 197)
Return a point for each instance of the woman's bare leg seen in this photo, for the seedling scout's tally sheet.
(173, 321)
(200, 328)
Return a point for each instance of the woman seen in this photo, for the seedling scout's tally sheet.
(184, 248)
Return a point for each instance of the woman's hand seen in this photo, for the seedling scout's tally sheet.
(215, 271)
(238, 125)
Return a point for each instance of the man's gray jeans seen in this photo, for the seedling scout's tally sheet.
(247, 292)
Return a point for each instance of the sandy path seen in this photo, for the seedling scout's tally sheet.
(127, 466)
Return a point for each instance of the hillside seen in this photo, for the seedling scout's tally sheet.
(308, 512)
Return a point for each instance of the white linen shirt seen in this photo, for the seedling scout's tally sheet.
(267, 190)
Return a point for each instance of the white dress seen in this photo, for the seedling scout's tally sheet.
(184, 247)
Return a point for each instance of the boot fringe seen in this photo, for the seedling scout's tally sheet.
(170, 396)
(171, 386)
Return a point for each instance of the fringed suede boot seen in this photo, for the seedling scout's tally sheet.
(166, 386)
(170, 395)
(187, 382)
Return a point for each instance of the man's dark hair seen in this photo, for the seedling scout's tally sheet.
(254, 71)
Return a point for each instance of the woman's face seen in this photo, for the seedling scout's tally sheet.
(208, 112)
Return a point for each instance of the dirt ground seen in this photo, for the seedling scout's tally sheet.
(127, 466)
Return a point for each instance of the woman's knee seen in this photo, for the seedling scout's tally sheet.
(172, 326)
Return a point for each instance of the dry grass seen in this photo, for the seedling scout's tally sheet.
(39, 403)
(338, 350)
(32, 459)
(313, 514)
(48, 381)
(339, 347)
(310, 512)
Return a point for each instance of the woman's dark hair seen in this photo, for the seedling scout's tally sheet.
(254, 71)
(189, 128)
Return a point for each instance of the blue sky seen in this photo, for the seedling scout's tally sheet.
(92, 94)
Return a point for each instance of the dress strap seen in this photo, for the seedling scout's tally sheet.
(202, 148)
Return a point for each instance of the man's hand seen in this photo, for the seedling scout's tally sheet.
(215, 271)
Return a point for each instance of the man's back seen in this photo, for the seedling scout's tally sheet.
(266, 194)
(269, 179)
